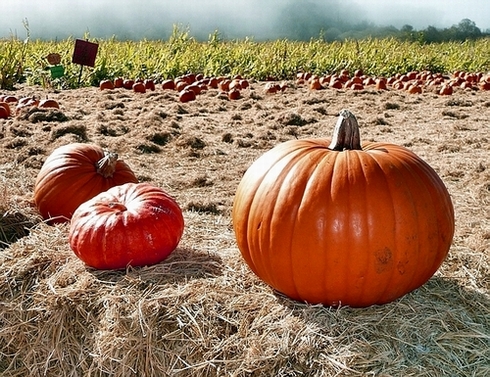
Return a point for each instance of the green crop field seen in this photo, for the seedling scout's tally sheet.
(25, 60)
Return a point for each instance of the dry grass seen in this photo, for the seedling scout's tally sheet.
(202, 312)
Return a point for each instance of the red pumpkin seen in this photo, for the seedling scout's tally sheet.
(224, 85)
(4, 110)
(9, 99)
(139, 87)
(340, 223)
(48, 103)
(168, 84)
(73, 174)
(484, 85)
(128, 84)
(187, 95)
(4, 113)
(195, 88)
(106, 84)
(336, 84)
(134, 224)
(118, 82)
(234, 94)
(149, 84)
(271, 88)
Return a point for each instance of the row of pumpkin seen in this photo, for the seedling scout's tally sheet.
(9, 101)
(337, 222)
(413, 82)
(188, 86)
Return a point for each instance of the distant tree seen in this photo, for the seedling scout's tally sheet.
(468, 29)
(407, 33)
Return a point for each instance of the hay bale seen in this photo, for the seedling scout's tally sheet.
(202, 313)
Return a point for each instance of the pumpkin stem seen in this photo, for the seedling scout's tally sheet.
(346, 133)
(106, 166)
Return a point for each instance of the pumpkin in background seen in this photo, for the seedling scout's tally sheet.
(118, 82)
(139, 87)
(186, 95)
(134, 224)
(48, 103)
(73, 174)
(106, 85)
(340, 223)
(4, 110)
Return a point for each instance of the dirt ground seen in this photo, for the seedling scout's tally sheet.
(198, 151)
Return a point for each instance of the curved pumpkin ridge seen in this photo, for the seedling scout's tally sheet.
(110, 227)
(439, 200)
(78, 189)
(272, 219)
(246, 192)
(411, 180)
(315, 218)
(83, 181)
(354, 208)
(386, 254)
(308, 165)
(48, 192)
(407, 283)
(358, 279)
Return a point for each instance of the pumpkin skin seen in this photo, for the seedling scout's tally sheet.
(73, 174)
(353, 227)
(4, 110)
(135, 224)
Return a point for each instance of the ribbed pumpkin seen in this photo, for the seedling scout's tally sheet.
(337, 223)
(73, 174)
(133, 224)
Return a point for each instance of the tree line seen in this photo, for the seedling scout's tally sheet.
(296, 21)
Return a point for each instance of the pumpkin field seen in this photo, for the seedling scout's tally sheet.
(202, 311)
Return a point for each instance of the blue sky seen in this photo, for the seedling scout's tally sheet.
(60, 18)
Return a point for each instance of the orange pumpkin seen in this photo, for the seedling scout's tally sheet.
(48, 103)
(128, 84)
(342, 223)
(106, 84)
(139, 87)
(234, 94)
(118, 82)
(4, 110)
(187, 95)
(446, 90)
(149, 84)
(168, 84)
(133, 224)
(73, 174)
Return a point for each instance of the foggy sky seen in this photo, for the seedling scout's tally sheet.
(131, 19)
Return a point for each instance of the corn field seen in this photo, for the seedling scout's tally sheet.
(24, 61)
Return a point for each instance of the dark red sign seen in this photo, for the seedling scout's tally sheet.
(85, 52)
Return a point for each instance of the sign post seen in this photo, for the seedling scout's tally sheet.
(56, 69)
(84, 54)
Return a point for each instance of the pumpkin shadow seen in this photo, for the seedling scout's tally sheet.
(432, 323)
(441, 293)
(14, 226)
(182, 265)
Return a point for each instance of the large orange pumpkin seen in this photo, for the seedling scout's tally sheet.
(133, 224)
(73, 174)
(340, 223)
